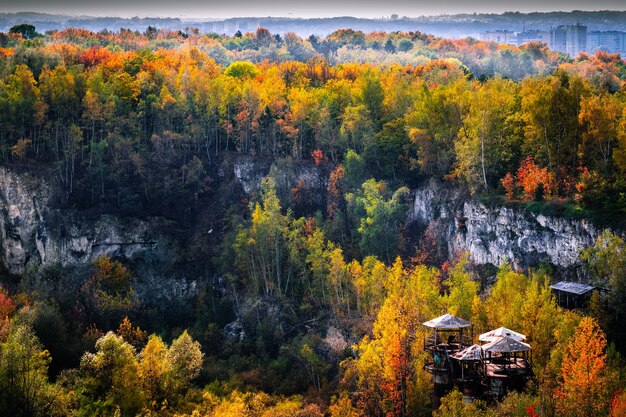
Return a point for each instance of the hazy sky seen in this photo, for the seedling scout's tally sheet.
(297, 8)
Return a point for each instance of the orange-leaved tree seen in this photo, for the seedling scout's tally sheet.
(618, 405)
(531, 177)
(7, 307)
(584, 390)
(389, 368)
(508, 182)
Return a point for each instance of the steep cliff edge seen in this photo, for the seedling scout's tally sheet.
(32, 231)
(494, 235)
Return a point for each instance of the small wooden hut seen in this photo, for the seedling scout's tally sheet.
(491, 370)
(572, 294)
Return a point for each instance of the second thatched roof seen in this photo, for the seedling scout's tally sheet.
(499, 333)
(447, 321)
(506, 344)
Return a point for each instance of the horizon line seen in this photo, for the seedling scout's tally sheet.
(291, 15)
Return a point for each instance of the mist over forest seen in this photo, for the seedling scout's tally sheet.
(451, 26)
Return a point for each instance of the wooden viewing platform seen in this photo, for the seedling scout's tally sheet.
(518, 367)
(501, 364)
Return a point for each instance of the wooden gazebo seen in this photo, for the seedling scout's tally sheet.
(449, 335)
(507, 364)
(468, 361)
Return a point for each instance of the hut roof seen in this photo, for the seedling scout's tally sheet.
(471, 353)
(500, 332)
(572, 287)
(506, 344)
(447, 321)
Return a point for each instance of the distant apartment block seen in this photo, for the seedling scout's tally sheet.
(533, 36)
(217, 27)
(506, 37)
(611, 41)
(571, 39)
(230, 26)
(558, 39)
(576, 39)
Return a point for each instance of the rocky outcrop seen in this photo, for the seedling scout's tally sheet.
(32, 231)
(249, 172)
(498, 234)
(495, 235)
(286, 173)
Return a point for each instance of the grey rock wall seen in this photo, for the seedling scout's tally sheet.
(494, 235)
(32, 231)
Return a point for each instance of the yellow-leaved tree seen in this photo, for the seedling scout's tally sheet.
(389, 373)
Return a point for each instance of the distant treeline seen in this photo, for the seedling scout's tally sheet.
(460, 25)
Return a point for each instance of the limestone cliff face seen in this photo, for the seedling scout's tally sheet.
(32, 231)
(494, 235)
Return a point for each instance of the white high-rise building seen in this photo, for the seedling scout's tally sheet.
(570, 39)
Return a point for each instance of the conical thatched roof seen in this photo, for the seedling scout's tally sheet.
(506, 344)
(447, 321)
(499, 333)
(472, 353)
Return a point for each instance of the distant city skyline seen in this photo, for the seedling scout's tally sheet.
(569, 39)
(220, 9)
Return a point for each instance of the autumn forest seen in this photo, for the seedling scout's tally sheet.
(304, 295)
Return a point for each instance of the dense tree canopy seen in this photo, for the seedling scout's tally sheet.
(301, 301)
(146, 114)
